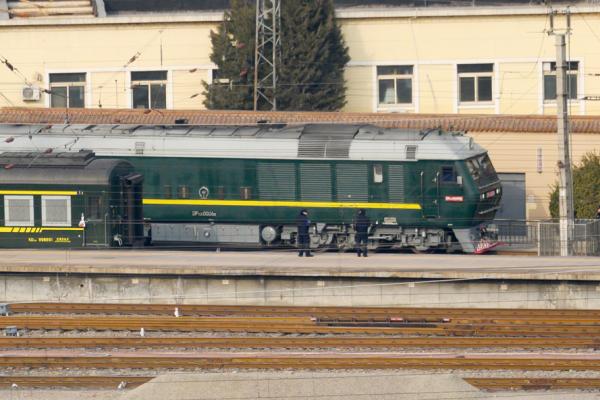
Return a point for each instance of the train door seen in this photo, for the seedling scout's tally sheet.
(96, 219)
(430, 192)
(132, 217)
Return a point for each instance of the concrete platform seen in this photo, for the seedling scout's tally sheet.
(288, 264)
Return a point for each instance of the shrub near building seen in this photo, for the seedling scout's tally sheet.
(586, 188)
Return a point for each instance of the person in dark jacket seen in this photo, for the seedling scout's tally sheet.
(598, 213)
(361, 226)
(303, 238)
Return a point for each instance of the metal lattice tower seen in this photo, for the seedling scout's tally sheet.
(267, 52)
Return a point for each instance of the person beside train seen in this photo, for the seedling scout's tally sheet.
(362, 223)
(303, 224)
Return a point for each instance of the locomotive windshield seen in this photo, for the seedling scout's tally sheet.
(482, 170)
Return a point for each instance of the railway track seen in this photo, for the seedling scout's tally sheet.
(288, 360)
(463, 327)
(504, 384)
(295, 342)
(296, 311)
(129, 382)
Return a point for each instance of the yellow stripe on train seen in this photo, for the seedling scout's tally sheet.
(24, 229)
(266, 203)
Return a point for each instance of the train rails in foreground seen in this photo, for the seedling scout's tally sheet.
(305, 325)
(296, 311)
(60, 359)
(271, 342)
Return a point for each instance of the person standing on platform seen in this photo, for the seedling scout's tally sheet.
(361, 226)
(303, 238)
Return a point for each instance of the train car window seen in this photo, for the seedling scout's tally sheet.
(448, 175)
(183, 192)
(377, 173)
(94, 207)
(168, 192)
(56, 210)
(245, 193)
(18, 210)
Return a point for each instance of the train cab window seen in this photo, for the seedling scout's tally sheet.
(94, 207)
(448, 175)
(56, 210)
(245, 193)
(18, 210)
(377, 173)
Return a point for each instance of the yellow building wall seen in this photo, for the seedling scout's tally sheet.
(109, 89)
(101, 50)
(517, 44)
(436, 92)
(188, 89)
(360, 89)
(518, 153)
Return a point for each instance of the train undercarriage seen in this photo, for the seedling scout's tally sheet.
(325, 236)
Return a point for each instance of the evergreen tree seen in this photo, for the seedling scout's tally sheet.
(586, 188)
(311, 69)
(233, 53)
(311, 77)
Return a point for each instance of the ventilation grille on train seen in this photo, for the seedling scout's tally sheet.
(315, 182)
(411, 152)
(277, 181)
(352, 182)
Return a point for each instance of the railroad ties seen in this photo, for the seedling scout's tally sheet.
(364, 338)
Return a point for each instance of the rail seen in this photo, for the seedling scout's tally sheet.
(296, 311)
(345, 342)
(311, 361)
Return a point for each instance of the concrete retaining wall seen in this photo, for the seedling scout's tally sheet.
(298, 291)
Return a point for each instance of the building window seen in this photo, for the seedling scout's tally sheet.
(56, 211)
(395, 84)
(550, 80)
(475, 82)
(18, 210)
(149, 89)
(67, 90)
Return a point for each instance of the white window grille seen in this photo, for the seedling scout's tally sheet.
(56, 211)
(18, 211)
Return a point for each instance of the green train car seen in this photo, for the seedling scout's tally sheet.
(207, 185)
(68, 199)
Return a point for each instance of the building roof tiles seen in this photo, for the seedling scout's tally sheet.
(471, 123)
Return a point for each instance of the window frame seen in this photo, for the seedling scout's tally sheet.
(454, 174)
(7, 221)
(475, 76)
(395, 77)
(148, 84)
(68, 85)
(69, 221)
(552, 72)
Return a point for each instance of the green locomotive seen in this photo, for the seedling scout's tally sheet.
(246, 184)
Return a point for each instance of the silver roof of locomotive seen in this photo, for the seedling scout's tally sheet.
(310, 141)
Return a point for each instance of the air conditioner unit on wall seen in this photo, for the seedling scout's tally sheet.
(31, 93)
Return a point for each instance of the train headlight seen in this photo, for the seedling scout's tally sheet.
(482, 196)
(497, 190)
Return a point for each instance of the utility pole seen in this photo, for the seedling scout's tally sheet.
(267, 51)
(565, 188)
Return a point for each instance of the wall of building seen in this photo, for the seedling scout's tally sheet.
(433, 41)
(535, 154)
